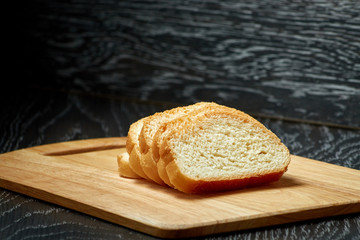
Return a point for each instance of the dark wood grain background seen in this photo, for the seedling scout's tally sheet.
(292, 59)
(87, 69)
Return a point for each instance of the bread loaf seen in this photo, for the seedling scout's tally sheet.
(207, 147)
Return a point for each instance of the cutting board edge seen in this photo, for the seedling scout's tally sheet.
(79, 146)
(248, 224)
(42, 195)
(182, 230)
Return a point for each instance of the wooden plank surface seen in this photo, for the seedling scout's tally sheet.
(84, 177)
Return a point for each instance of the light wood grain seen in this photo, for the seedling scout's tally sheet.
(89, 182)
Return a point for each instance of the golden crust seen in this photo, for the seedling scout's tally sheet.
(133, 149)
(148, 130)
(124, 168)
(134, 162)
(149, 168)
(153, 122)
(133, 134)
(147, 162)
(185, 184)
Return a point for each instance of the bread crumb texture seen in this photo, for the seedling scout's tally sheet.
(221, 147)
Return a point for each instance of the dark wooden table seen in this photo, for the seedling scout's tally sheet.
(85, 70)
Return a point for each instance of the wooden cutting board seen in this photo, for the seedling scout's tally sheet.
(82, 175)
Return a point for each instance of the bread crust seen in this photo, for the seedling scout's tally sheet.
(145, 139)
(150, 169)
(188, 185)
(124, 168)
(161, 168)
(133, 134)
(153, 122)
(133, 149)
(134, 162)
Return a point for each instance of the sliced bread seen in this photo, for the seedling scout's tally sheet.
(165, 128)
(148, 131)
(220, 150)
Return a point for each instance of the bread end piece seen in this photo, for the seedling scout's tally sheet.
(124, 168)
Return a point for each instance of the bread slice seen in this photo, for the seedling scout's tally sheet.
(148, 131)
(133, 148)
(124, 168)
(219, 150)
(166, 127)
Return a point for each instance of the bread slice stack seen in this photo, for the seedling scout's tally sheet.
(203, 148)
